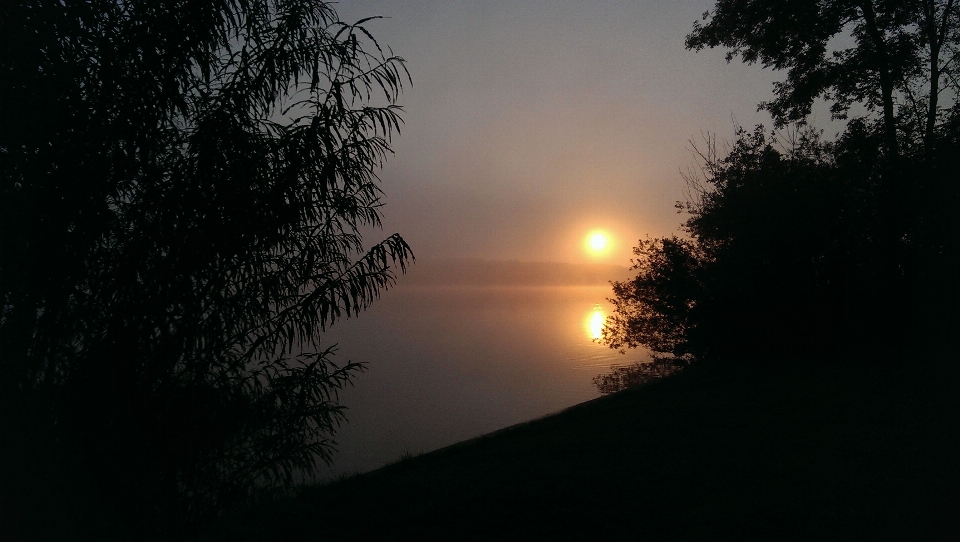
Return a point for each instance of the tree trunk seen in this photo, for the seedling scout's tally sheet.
(935, 37)
(886, 81)
(894, 267)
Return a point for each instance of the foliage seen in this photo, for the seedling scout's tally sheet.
(773, 231)
(787, 253)
(655, 308)
(902, 55)
(623, 378)
(784, 233)
(798, 244)
(184, 189)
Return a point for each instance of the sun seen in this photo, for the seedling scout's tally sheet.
(598, 242)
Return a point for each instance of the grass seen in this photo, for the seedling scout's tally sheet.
(811, 451)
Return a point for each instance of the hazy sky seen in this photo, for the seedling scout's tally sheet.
(530, 123)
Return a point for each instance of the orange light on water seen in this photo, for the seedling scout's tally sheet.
(594, 322)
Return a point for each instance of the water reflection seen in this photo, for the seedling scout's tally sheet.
(451, 363)
(594, 322)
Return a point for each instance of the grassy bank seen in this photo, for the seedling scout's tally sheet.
(790, 452)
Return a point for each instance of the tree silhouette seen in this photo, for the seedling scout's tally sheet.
(904, 54)
(184, 189)
(656, 308)
(799, 244)
(774, 233)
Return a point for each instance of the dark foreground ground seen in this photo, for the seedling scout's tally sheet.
(795, 452)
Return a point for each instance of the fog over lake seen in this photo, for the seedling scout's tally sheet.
(460, 348)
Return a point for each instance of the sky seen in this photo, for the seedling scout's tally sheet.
(530, 124)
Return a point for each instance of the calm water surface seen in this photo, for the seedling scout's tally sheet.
(448, 363)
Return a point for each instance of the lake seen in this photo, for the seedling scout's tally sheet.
(446, 363)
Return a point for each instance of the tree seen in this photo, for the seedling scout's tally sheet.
(778, 235)
(655, 309)
(184, 189)
(899, 59)
(799, 244)
(904, 54)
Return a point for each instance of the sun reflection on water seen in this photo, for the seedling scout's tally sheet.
(594, 322)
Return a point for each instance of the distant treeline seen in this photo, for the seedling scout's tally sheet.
(479, 272)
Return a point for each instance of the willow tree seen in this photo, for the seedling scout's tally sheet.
(184, 189)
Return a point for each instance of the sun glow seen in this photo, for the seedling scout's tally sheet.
(598, 243)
